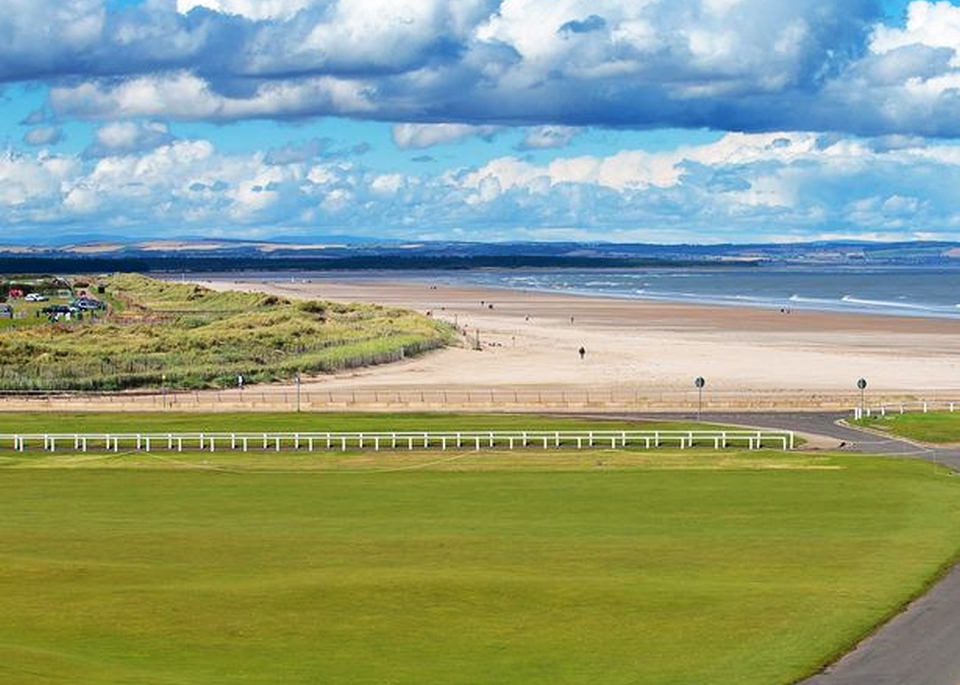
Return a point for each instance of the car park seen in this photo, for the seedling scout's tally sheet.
(35, 297)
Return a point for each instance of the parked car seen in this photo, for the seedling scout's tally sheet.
(6, 311)
(60, 309)
(86, 303)
(36, 297)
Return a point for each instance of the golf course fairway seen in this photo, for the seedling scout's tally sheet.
(708, 568)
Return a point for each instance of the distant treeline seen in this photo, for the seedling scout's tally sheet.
(140, 264)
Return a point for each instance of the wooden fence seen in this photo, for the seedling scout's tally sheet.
(314, 398)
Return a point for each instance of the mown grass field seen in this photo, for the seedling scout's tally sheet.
(177, 335)
(628, 567)
(132, 422)
(933, 427)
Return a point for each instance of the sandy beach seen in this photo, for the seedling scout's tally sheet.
(650, 351)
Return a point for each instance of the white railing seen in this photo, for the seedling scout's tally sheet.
(443, 440)
(905, 407)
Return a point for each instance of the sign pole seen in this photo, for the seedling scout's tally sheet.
(699, 382)
(862, 384)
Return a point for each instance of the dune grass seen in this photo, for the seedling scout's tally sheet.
(727, 568)
(177, 335)
(933, 427)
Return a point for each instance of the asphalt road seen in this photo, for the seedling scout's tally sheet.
(921, 646)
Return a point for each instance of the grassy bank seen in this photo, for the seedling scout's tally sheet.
(722, 569)
(933, 427)
(184, 336)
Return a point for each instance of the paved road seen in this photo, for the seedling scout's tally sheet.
(921, 646)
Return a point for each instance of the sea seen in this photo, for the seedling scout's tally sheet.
(885, 290)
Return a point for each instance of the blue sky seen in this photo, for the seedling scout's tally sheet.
(485, 120)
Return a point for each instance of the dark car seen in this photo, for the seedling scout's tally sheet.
(58, 309)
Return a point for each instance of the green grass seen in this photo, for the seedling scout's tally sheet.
(145, 422)
(701, 567)
(934, 427)
(176, 335)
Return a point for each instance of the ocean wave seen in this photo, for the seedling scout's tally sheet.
(884, 303)
(924, 294)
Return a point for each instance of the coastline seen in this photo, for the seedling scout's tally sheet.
(898, 291)
(529, 341)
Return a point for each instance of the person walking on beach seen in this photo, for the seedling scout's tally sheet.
(582, 352)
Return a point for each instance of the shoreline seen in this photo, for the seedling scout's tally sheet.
(843, 305)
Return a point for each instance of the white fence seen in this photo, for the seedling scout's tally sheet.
(420, 440)
(914, 406)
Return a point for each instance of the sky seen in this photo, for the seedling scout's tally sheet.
(654, 121)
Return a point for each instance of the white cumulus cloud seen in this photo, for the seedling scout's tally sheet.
(419, 136)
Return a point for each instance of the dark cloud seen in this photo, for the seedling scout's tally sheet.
(754, 65)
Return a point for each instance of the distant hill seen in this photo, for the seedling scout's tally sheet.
(202, 255)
